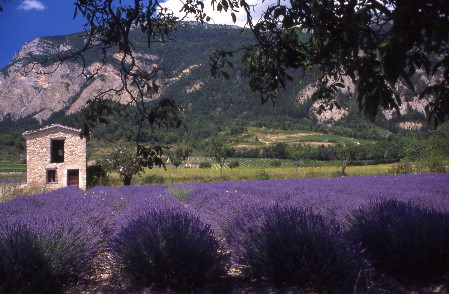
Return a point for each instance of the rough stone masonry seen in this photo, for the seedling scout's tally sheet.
(56, 157)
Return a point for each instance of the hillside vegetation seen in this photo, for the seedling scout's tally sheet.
(212, 107)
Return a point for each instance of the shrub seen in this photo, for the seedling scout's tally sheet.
(337, 174)
(168, 248)
(292, 246)
(96, 175)
(234, 164)
(153, 180)
(43, 258)
(403, 240)
(205, 165)
(22, 267)
(11, 189)
(276, 163)
(434, 164)
(404, 167)
(262, 175)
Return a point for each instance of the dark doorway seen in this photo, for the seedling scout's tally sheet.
(57, 151)
(73, 177)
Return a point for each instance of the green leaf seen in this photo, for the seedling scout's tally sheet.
(384, 44)
(278, 12)
(103, 120)
(234, 18)
(377, 69)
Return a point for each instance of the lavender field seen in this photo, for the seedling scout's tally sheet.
(97, 216)
(216, 203)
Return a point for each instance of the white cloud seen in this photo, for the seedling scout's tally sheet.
(223, 17)
(28, 5)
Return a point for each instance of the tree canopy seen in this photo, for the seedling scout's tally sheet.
(346, 153)
(378, 45)
(220, 151)
(299, 153)
(179, 155)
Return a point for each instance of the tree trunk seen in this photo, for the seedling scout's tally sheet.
(127, 180)
(343, 168)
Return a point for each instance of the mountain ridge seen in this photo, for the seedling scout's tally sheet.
(41, 91)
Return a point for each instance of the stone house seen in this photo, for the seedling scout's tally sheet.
(56, 157)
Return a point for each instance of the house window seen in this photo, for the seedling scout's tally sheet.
(57, 151)
(51, 176)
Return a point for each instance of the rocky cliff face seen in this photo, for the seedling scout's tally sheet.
(29, 89)
(410, 102)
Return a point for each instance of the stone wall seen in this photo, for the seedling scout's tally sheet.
(38, 144)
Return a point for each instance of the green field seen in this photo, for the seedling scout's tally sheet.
(6, 167)
(254, 170)
(249, 169)
(9, 170)
(259, 137)
(254, 137)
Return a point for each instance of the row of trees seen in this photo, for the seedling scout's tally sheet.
(128, 162)
(429, 153)
(425, 153)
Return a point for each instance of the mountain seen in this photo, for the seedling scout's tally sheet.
(41, 92)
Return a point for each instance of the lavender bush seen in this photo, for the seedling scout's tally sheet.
(7, 181)
(168, 248)
(405, 240)
(22, 267)
(293, 246)
(45, 255)
(101, 213)
(217, 203)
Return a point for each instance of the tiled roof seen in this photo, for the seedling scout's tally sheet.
(51, 127)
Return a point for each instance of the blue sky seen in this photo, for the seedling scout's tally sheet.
(24, 20)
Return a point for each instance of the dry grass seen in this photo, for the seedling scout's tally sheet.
(13, 189)
(194, 175)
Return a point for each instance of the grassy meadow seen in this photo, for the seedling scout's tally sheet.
(11, 170)
(249, 169)
(253, 168)
(256, 169)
